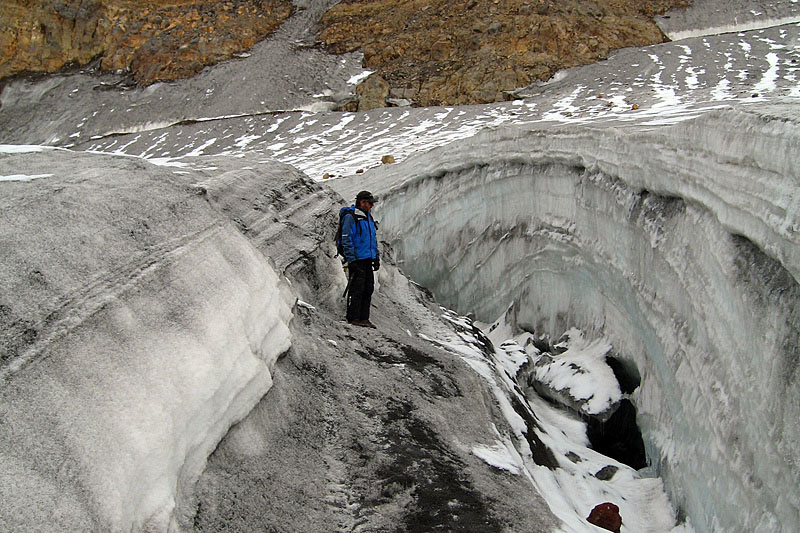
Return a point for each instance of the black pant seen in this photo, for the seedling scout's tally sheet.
(362, 282)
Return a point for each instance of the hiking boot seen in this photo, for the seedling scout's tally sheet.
(362, 323)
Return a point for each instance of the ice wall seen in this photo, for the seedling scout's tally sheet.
(680, 244)
(138, 325)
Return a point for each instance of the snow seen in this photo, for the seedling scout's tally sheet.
(500, 455)
(22, 148)
(571, 489)
(721, 91)
(767, 81)
(24, 177)
(358, 78)
(305, 305)
(199, 150)
(581, 372)
(734, 28)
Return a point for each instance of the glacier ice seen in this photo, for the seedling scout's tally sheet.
(679, 244)
(138, 326)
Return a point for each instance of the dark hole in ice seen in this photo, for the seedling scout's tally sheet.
(542, 344)
(619, 437)
(626, 373)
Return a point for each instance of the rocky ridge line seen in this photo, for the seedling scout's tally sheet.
(155, 41)
(435, 52)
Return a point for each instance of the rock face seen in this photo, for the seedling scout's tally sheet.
(438, 52)
(155, 40)
(430, 53)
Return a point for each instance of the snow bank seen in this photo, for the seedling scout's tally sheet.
(138, 326)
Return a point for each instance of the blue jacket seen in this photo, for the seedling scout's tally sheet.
(358, 236)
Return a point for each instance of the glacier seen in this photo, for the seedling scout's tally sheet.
(171, 354)
(679, 244)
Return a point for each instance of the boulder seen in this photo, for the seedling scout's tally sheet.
(606, 473)
(606, 515)
(372, 93)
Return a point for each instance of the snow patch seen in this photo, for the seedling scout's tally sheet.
(500, 455)
(24, 177)
(733, 28)
(358, 78)
(23, 148)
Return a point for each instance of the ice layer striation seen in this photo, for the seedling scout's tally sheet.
(138, 326)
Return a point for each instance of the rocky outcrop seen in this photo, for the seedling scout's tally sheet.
(154, 40)
(430, 53)
(372, 93)
(439, 52)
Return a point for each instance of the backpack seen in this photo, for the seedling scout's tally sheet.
(338, 238)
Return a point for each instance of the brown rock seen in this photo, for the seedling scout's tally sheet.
(478, 51)
(372, 93)
(387, 159)
(606, 515)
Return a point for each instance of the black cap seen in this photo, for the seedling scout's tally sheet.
(365, 195)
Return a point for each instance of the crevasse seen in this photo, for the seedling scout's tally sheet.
(680, 245)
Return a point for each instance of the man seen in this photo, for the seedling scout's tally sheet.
(360, 246)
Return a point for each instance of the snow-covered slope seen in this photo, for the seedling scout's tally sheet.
(679, 244)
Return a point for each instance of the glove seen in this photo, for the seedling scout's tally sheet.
(376, 264)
